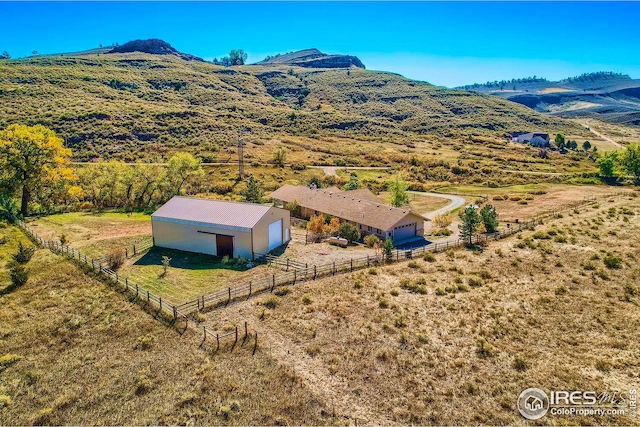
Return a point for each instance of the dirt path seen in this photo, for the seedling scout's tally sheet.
(599, 135)
(331, 170)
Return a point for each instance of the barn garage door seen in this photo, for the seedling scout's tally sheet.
(275, 234)
(224, 245)
(404, 232)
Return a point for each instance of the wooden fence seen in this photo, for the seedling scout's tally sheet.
(232, 335)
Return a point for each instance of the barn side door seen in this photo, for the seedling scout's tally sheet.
(224, 245)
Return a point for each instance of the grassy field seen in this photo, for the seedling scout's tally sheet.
(529, 200)
(76, 352)
(455, 340)
(188, 276)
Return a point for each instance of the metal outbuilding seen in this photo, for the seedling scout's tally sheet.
(220, 228)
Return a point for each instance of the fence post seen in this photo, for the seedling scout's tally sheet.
(246, 329)
(236, 334)
(249, 289)
(273, 284)
(294, 276)
(314, 271)
(352, 264)
(160, 303)
(175, 313)
(255, 344)
(287, 264)
(136, 290)
(148, 297)
(126, 253)
(229, 295)
(204, 330)
(134, 250)
(218, 342)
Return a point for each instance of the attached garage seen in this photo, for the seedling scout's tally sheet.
(219, 228)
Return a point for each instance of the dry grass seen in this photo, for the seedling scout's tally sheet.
(525, 312)
(87, 356)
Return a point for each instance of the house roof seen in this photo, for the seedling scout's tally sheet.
(230, 215)
(344, 205)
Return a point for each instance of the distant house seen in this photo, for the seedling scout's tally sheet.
(358, 207)
(220, 228)
(536, 139)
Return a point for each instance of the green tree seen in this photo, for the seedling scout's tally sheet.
(180, 169)
(5, 55)
(353, 184)
(31, 157)
(387, 248)
(349, 231)
(398, 192)
(630, 160)
(470, 223)
(279, 156)
(252, 192)
(607, 163)
(315, 181)
(489, 218)
(559, 140)
(586, 145)
(237, 57)
(294, 207)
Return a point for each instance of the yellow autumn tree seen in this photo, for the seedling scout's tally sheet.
(333, 226)
(31, 157)
(316, 224)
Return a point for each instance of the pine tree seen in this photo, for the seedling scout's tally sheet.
(252, 193)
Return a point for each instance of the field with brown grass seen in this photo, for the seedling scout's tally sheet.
(74, 351)
(455, 340)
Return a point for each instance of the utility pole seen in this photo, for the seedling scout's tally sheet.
(240, 153)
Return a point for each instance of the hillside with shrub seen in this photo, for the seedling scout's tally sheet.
(138, 105)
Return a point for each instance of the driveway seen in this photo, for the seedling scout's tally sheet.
(456, 202)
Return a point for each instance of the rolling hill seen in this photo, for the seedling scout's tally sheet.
(137, 105)
(606, 96)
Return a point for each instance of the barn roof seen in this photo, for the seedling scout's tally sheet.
(344, 205)
(207, 212)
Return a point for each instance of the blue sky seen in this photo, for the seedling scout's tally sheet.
(444, 43)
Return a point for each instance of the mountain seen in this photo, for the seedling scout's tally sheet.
(137, 105)
(604, 95)
(313, 58)
(153, 46)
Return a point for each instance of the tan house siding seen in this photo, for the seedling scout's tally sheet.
(261, 229)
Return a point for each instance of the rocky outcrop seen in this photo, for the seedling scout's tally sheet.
(313, 58)
(153, 46)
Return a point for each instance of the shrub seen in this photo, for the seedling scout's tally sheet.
(440, 291)
(282, 292)
(429, 257)
(519, 363)
(484, 348)
(115, 259)
(8, 360)
(476, 283)
(373, 271)
(4, 401)
(631, 289)
(143, 384)
(394, 292)
(561, 290)
(560, 239)
(19, 276)
(349, 231)
(24, 253)
(442, 220)
(442, 232)
(306, 299)
(383, 303)
(371, 240)
(413, 264)
(271, 302)
(145, 342)
(613, 262)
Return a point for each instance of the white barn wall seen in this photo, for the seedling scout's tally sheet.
(185, 237)
(261, 229)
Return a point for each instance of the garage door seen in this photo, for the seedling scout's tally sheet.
(404, 232)
(275, 234)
